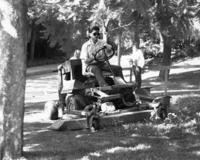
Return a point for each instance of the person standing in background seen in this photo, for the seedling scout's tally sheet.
(76, 55)
(137, 62)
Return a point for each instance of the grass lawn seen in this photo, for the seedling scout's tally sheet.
(176, 138)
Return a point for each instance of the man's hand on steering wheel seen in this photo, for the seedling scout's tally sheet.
(103, 57)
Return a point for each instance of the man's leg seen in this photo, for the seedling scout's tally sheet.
(117, 70)
(137, 72)
(98, 74)
(61, 97)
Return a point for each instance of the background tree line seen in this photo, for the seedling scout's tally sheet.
(58, 27)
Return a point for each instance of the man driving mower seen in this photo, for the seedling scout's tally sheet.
(94, 59)
(78, 92)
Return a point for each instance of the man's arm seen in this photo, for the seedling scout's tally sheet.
(107, 46)
(107, 49)
(141, 59)
(89, 60)
(84, 55)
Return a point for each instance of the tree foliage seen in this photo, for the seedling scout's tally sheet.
(65, 21)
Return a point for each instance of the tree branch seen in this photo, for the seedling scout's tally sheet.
(57, 2)
(123, 26)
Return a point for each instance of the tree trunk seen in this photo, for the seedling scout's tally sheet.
(166, 60)
(105, 33)
(119, 44)
(13, 38)
(136, 36)
(161, 44)
(119, 50)
(33, 39)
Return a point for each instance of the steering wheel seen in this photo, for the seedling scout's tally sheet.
(103, 57)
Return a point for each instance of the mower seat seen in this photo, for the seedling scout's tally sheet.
(74, 70)
(74, 67)
(105, 74)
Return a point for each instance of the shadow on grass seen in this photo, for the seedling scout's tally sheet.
(31, 107)
(176, 138)
(140, 140)
(112, 143)
(177, 84)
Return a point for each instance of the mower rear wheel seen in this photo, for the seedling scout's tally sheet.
(51, 110)
(128, 99)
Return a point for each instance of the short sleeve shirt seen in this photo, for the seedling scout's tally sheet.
(88, 49)
(138, 58)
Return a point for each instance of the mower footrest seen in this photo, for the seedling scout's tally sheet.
(110, 97)
(145, 98)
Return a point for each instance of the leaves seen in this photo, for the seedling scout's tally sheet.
(63, 21)
(66, 21)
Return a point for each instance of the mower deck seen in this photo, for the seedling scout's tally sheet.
(72, 122)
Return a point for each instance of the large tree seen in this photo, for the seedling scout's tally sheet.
(174, 21)
(12, 77)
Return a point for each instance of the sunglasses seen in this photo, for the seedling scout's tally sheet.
(96, 34)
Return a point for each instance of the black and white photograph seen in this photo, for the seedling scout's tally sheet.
(99, 79)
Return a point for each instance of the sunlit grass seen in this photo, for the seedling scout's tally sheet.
(116, 149)
(175, 138)
(125, 149)
(181, 121)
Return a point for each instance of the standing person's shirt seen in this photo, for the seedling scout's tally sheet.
(138, 58)
(88, 50)
(76, 55)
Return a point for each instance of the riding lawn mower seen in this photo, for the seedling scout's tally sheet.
(81, 96)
